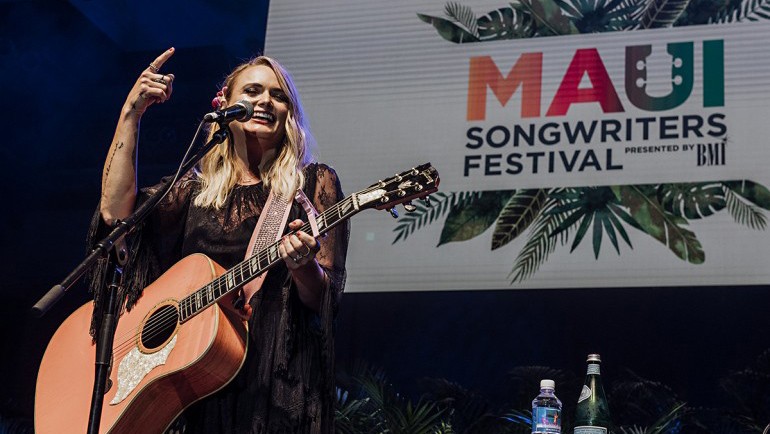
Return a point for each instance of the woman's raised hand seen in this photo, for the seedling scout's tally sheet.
(152, 86)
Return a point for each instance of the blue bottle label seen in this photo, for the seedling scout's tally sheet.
(546, 420)
(590, 430)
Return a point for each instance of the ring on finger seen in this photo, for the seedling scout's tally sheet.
(159, 80)
(153, 68)
(308, 250)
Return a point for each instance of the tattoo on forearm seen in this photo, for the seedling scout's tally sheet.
(118, 145)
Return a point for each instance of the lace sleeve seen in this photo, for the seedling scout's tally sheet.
(151, 246)
(334, 246)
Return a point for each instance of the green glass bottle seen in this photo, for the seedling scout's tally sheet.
(593, 414)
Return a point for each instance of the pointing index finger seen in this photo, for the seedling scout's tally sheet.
(160, 60)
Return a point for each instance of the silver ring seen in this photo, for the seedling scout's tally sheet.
(159, 80)
(308, 250)
(153, 68)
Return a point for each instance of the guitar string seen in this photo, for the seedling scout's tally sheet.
(163, 322)
(169, 319)
(156, 325)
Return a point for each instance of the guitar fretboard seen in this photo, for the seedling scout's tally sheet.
(260, 262)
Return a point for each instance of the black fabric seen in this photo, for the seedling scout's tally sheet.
(287, 382)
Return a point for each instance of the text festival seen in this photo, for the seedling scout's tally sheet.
(524, 138)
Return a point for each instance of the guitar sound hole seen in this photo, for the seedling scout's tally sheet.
(159, 327)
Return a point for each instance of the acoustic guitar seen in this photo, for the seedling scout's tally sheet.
(177, 345)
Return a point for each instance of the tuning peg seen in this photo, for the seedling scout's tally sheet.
(393, 212)
(409, 207)
(426, 199)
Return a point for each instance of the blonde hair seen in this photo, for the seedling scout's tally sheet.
(218, 170)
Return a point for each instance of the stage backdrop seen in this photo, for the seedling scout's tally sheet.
(576, 147)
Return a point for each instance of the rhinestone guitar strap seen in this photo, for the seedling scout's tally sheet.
(270, 227)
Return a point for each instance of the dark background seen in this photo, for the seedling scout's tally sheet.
(65, 68)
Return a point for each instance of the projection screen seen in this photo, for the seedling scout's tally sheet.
(624, 152)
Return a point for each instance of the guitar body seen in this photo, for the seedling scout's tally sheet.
(177, 345)
(159, 366)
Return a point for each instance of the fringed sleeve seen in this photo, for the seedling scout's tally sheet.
(323, 187)
(152, 247)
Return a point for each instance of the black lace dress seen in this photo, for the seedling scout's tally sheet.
(287, 382)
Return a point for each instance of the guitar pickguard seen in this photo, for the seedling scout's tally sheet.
(135, 366)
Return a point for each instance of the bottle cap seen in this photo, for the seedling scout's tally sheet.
(547, 384)
(594, 358)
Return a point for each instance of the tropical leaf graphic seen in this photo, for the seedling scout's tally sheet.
(692, 201)
(516, 216)
(745, 214)
(463, 26)
(661, 13)
(424, 215)
(747, 10)
(597, 205)
(463, 15)
(661, 225)
(594, 16)
(755, 193)
(557, 215)
(536, 18)
(550, 19)
(540, 243)
(449, 30)
(468, 220)
(505, 23)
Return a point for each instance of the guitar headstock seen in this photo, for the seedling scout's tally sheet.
(417, 182)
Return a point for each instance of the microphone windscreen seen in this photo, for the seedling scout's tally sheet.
(249, 109)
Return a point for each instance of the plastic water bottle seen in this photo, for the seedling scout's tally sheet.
(546, 410)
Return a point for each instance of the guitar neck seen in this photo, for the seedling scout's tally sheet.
(250, 268)
(417, 182)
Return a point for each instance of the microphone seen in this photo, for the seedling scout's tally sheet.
(240, 111)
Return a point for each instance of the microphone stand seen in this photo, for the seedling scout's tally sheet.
(105, 247)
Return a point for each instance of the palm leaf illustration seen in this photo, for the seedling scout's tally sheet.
(661, 225)
(463, 15)
(744, 202)
(745, 213)
(540, 242)
(597, 205)
(746, 10)
(661, 13)
(424, 215)
(462, 25)
(449, 30)
(549, 17)
(474, 217)
(517, 215)
(755, 193)
(593, 16)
